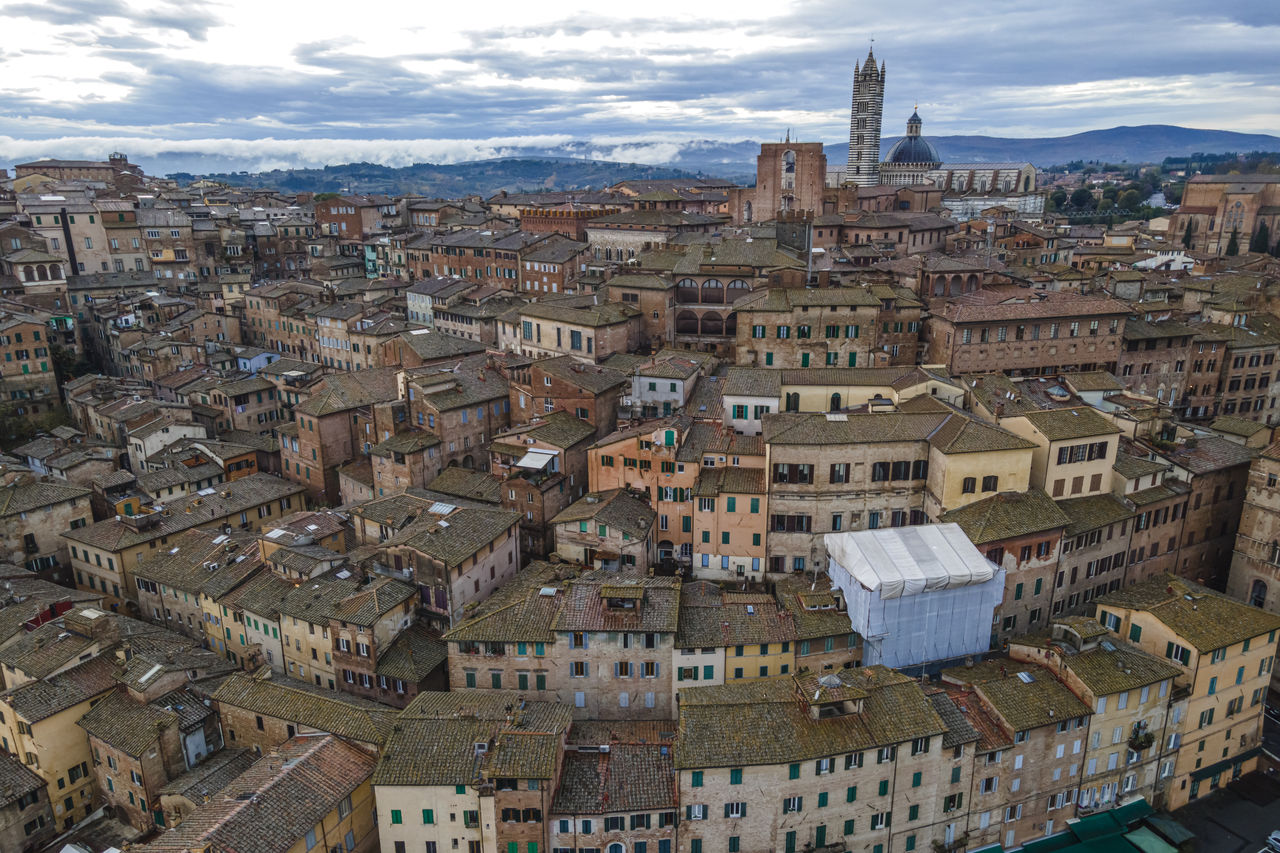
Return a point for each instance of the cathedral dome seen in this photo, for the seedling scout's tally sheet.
(912, 149)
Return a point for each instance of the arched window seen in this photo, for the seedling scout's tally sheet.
(42, 273)
(687, 323)
(712, 323)
(686, 291)
(712, 292)
(971, 284)
(956, 284)
(28, 273)
(615, 847)
(835, 402)
(788, 170)
(746, 212)
(1258, 594)
(55, 271)
(737, 289)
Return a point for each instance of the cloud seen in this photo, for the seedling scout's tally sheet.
(270, 84)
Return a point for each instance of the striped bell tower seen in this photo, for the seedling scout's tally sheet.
(864, 123)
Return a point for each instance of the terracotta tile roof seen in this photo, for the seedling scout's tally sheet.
(467, 532)
(766, 722)
(1151, 495)
(16, 780)
(1007, 515)
(273, 804)
(413, 655)
(1211, 453)
(1233, 425)
(733, 481)
(1067, 424)
(434, 740)
(992, 734)
(627, 778)
(204, 781)
(1024, 705)
(242, 494)
(37, 700)
(813, 607)
(370, 601)
(590, 377)
(46, 650)
(713, 618)
(585, 609)
(409, 441)
(615, 508)
(339, 392)
(818, 429)
(298, 702)
(561, 429)
(184, 564)
(1206, 619)
(1115, 666)
(959, 434)
(752, 382)
(126, 724)
(703, 438)
(1093, 512)
(25, 497)
(959, 729)
(1132, 467)
(476, 485)
(1065, 306)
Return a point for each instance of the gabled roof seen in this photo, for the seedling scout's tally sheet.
(275, 802)
(1007, 515)
(766, 722)
(1067, 424)
(326, 711)
(615, 508)
(1206, 619)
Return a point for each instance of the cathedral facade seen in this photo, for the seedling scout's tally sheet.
(913, 159)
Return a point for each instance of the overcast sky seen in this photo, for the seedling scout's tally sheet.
(444, 81)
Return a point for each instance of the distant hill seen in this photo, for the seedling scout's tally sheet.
(581, 164)
(479, 177)
(1148, 143)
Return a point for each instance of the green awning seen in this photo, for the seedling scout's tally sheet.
(1148, 842)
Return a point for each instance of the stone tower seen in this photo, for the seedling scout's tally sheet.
(864, 123)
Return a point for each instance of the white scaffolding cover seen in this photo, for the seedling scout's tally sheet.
(899, 561)
(915, 594)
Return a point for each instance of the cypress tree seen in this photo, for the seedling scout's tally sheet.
(1261, 239)
(1233, 245)
(1186, 237)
